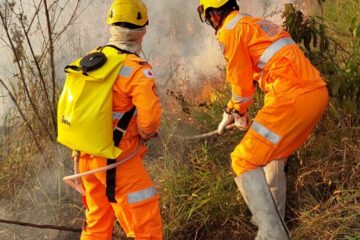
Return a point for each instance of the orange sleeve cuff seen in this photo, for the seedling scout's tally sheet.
(239, 107)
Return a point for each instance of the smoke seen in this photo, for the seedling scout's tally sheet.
(177, 44)
(181, 49)
(175, 38)
(43, 198)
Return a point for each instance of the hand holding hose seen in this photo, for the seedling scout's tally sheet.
(242, 121)
(231, 120)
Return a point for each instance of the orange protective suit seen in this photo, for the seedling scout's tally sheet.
(259, 52)
(135, 202)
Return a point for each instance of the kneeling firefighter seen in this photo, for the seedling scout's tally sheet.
(260, 53)
(127, 191)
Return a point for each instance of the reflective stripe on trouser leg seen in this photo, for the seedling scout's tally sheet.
(110, 182)
(145, 209)
(276, 179)
(137, 207)
(265, 132)
(141, 195)
(139, 214)
(255, 148)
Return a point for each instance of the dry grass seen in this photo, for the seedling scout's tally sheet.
(32, 190)
(199, 197)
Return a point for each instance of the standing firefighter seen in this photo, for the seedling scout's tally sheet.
(296, 97)
(87, 113)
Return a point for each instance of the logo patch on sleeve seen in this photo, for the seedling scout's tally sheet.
(149, 73)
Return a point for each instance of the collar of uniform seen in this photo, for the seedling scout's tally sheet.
(227, 20)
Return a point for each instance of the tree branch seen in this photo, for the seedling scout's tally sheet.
(52, 63)
(22, 114)
(42, 80)
(22, 76)
(34, 16)
(58, 35)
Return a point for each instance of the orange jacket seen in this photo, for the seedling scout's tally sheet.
(135, 85)
(257, 50)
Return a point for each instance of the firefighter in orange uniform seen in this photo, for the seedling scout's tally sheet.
(126, 192)
(295, 100)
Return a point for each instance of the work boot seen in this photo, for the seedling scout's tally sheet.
(257, 195)
(276, 179)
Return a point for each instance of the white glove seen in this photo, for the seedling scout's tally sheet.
(227, 119)
(241, 122)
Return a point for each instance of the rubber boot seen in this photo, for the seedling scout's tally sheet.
(255, 190)
(276, 179)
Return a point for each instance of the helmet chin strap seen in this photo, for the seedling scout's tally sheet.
(215, 20)
(209, 19)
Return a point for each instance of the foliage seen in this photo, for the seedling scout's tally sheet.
(30, 35)
(305, 30)
(323, 175)
(29, 156)
(355, 27)
(199, 199)
(336, 61)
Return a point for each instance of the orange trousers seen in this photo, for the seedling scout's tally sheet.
(280, 127)
(137, 202)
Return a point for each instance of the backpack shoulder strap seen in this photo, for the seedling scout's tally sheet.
(119, 132)
(122, 125)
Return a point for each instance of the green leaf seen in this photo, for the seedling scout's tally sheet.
(353, 22)
(357, 31)
(315, 39)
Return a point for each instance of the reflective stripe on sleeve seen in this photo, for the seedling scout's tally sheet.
(117, 115)
(240, 99)
(265, 132)
(273, 49)
(141, 195)
(126, 71)
(233, 22)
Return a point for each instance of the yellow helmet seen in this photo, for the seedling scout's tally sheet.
(206, 4)
(128, 11)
